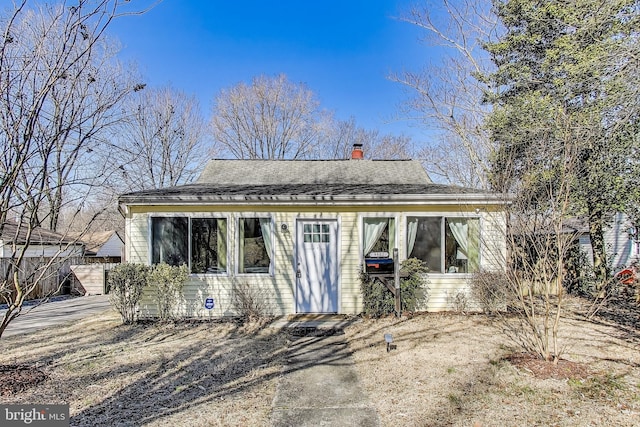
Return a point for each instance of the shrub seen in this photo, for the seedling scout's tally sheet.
(126, 282)
(378, 301)
(167, 281)
(579, 278)
(459, 301)
(490, 290)
(250, 301)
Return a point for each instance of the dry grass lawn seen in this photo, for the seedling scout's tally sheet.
(451, 370)
(187, 374)
(447, 370)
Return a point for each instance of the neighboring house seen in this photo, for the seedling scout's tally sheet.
(298, 232)
(42, 242)
(106, 245)
(621, 241)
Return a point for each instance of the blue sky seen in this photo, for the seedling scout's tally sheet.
(343, 50)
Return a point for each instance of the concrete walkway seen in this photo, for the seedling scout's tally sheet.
(319, 385)
(54, 313)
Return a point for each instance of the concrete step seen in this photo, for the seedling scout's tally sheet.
(319, 324)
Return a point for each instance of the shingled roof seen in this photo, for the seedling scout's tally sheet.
(295, 172)
(309, 181)
(12, 233)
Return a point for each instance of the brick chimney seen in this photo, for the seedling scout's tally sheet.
(357, 153)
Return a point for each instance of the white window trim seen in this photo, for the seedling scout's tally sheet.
(362, 216)
(189, 216)
(236, 246)
(443, 216)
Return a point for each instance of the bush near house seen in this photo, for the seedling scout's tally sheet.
(491, 290)
(126, 282)
(250, 302)
(167, 281)
(377, 301)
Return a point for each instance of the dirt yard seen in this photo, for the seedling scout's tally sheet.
(446, 370)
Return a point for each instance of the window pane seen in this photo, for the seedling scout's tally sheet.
(253, 246)
(461, 245)
(424, 241)
(169, 240)
(208, 245)
(379, 235)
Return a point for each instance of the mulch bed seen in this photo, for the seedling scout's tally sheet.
(17, 378)
(543, 369)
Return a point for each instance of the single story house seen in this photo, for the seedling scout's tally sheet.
(106, 245)
(299, 231)
(42, 242)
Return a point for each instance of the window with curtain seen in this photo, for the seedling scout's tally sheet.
(446, 245)
(379, 235)
(254, 245)
(172, 237)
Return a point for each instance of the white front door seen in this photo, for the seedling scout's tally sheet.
(317, 266)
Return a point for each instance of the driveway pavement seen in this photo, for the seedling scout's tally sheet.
(55, 313)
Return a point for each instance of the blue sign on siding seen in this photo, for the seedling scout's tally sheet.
(208, 303)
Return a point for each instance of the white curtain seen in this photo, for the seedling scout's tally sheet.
(412, 231)
(373, 229)
(460, 231)
(265, 228)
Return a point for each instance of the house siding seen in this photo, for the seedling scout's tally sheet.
(112, 248)
(621, 249)
(47, 251)
(278, 288)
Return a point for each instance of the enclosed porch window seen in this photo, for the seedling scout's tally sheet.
(255, 245)
(445, 244)
(379, 237)
(201, 243)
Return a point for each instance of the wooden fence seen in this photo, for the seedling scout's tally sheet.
(46, 276)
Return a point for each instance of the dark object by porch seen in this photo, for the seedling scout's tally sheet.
(387, 273)
(379, 265)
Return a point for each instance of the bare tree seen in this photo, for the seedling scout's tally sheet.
(276, 119)
(272, 118)
(447, 96)
(160, 143)
(60, 81)
(337, 137)
(58, 87)
(538, 243)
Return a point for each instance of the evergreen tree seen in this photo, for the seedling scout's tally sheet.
(565, 94)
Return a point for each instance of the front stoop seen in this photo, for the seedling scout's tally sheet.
(311, 322)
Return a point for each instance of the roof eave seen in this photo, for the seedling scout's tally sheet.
(366, 199)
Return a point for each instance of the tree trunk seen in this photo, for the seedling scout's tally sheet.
(596, 234)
